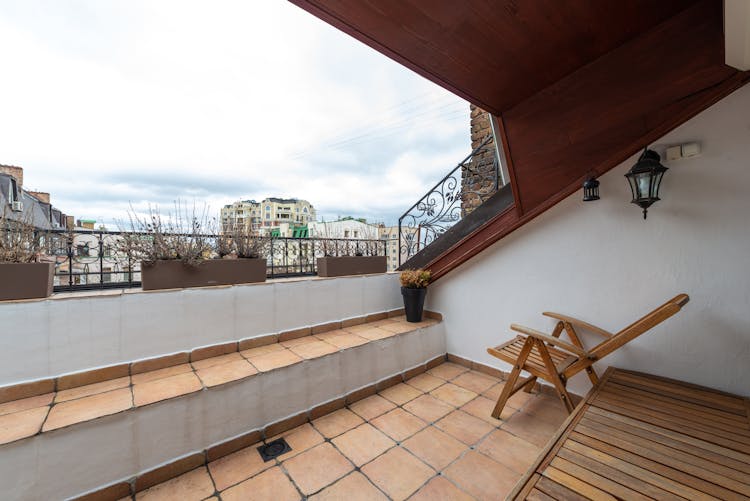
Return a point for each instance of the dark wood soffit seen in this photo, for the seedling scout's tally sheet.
(510, 220)
(581, 123)
(494, 54)
(577, 139)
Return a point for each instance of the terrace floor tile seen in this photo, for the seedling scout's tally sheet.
(425, 382)
(373, 333)
(481, 477)
(314, 349)
(92, 389)
(447, 371)
(372, 407)
(26, 404)
(363, 444)
(398, 473)
(474, 381)
(465, 427)
(162, 389)
(347, 340)
(87, 408)
(453, 395)
(238, 466)
(428, 408)
(482, 408)
(299, 439)
(146, 377)
(434, 447)
(275, 360)
(261, 350)
(353, 487)
(317, 468)
(401, 393)
(213, 361)
(272, 484)
(21, 424)
(224, 373)
(398, 424)
(191, 486)
(337, 422)
(440, 489)
(509, 450)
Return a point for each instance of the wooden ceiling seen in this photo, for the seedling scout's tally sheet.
(578, 86)
(494, 53)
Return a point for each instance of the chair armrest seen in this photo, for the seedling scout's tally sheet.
(549, 339)
(579, 323)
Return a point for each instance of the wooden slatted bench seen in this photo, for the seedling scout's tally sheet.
(638, 436)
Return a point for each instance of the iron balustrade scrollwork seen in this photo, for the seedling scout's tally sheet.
(93, 259)
(444, 204)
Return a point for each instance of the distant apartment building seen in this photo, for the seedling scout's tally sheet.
(20, 204)
(347, 228)
(270, 213)
(389, 234)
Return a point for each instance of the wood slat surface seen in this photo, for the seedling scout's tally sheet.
(638, 436)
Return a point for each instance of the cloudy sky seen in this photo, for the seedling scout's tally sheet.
(107, 103)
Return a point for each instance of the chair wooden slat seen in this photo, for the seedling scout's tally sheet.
(556, 361)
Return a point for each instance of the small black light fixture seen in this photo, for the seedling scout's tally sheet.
(590, 190)
(645, 179)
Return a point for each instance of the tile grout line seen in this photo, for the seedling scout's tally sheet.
(396, 442)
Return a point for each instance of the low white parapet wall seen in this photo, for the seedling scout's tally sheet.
(74, 332)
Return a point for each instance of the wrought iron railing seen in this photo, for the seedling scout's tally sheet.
(86, 260)
(449, 200)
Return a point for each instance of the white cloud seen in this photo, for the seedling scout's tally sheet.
(107, 102)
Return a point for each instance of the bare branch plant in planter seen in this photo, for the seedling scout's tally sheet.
(22, 274)
(179, 250)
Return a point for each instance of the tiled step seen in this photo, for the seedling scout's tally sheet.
(141, 383)
(158, 409)
(430, 436)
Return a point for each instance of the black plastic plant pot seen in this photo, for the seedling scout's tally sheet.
(413, 303)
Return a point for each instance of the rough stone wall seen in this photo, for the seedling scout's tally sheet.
(478, 176)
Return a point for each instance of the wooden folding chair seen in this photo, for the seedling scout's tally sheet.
(550, 358)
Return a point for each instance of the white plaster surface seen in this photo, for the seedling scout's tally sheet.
(80, 458)
(56, 336)
(601, 262)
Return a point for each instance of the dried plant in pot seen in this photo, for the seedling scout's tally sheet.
(23, 275)
(180, 249)
(361, 257)
(414, 290)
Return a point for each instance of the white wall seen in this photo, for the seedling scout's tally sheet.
(600, 261)
(60, 335)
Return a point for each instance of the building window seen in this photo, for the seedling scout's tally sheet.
(346, 233)
(304, 210)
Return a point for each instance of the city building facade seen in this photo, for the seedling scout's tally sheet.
(271, 212)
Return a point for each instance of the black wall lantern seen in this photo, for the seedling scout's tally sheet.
(645, 178)
(590, 190)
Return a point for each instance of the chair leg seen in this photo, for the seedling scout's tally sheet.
(528, 386)
(510, 385)
(592, 375)
(554, 376)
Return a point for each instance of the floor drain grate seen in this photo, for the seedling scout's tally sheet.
(273, 449)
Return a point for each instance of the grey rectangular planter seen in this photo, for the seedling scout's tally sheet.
(178, 275)
(351, 265)
(26, 280)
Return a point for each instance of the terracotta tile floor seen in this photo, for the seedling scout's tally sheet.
(430, 439)
(26, 417)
